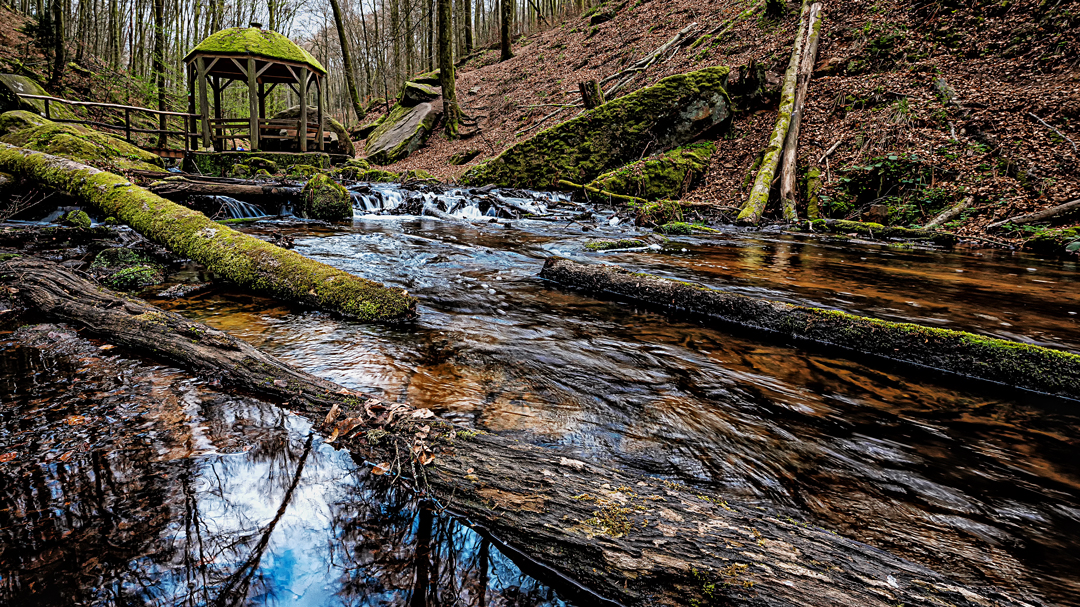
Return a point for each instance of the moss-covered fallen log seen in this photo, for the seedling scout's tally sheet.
(997, 360)
(601, 536)
(877, 231)
(242, 259)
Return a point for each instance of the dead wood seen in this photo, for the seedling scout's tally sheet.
(791, 142)
(591, 94)
(644, 63)
(949, 214)
(1043, 215)
(180, 187)
(600, 535)
(1021, 365)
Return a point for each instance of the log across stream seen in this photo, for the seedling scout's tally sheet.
(619, 537)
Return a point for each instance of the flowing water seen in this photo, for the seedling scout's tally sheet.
(973, 480)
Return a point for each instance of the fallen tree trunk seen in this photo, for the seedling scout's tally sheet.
(1043, 215)
(244, 260)
(755, 203)
(174, 187)
(599, 535)
(878, 231)
(996, 360)
(791, 142)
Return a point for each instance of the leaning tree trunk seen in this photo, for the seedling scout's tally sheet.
(791, 142)
(759, 194)
(602, 536)
(451, 109)
(347, 62)
(506, 15)
(245, 260)
(56, 10)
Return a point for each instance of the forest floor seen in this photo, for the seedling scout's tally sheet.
(904, 153)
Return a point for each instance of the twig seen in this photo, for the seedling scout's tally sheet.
(562, 105)
(644, 63)
(1059, 133)
(829, 152)
(541, 121)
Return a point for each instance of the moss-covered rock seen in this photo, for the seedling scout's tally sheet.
(218, 164)
(75, 219)
(239, 171)
(673, 112)
(414, 93)
(352, 169)
(134, 277)
(378, 176)
(325, 199)
(877, 230)
(657, 213)
(341, 142)
(246, 261)
(19, 120)
(667, 175)
(608, 245)
(417, 175)
(77, 142)
(403, 132)
(431, 78)
(13, 86)
(464, 157)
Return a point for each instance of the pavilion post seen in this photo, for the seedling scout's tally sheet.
(302, 130)
(219, 141)
(204, 107)
(320, 83)
(253, 105)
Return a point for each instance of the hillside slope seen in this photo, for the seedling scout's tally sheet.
(905, 151)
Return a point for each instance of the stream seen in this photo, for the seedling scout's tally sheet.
(132, 483)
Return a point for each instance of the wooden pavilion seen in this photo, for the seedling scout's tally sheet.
(262, 59)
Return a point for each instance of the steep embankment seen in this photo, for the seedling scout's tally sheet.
(905, 149)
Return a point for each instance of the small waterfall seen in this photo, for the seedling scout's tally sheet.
(238, 209)
(450, 202)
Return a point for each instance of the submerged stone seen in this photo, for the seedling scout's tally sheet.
(325, 199)
(673, 112)
(403, 132)
(668, 175)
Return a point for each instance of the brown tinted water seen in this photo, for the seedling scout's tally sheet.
(975, 481)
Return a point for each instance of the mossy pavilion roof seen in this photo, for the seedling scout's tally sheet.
(255, 42)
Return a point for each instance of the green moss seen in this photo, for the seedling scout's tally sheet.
(877, 231)
(657, 213)
(303, 171)
(655, 118)
(325, 199)
(255, 42)
(117, 257)
(134, 277)
(677, 228)
(378, 176)
(667, 175)
(605, 245)
(418, 175)
(78, 143)
(218, 163)
(76, 219)
(1053, 241)
(246, 261)
(239, 171)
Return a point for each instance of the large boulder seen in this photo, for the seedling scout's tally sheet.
(77, 142)
(673, 112)
(325, 199)
(341, 143)
(415, 93)
(432, 78)
(664, 176)
(403, 132)
(13, 86)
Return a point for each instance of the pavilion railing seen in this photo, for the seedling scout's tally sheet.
(189, 122)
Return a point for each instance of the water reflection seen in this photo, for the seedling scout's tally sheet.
(978, 483)
(124, 484)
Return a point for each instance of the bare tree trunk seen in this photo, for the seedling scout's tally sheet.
(506, 11)
(159, 66)
(467, 18)
(346, 60)
(56, 8)
(791, 142)
(451, 110)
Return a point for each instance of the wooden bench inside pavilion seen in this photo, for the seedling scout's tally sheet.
(262, 60)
